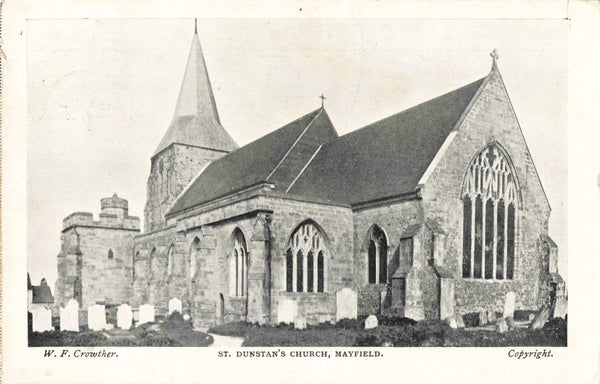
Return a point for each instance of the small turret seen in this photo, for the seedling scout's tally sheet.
(115, 205)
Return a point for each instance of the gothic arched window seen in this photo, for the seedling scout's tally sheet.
(377, 256)
(305, 259)
(238, 266)
(490, 197)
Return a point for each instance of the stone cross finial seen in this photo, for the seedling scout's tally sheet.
(322, 100)
(494, 55)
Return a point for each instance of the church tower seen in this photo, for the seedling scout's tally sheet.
(195, 138)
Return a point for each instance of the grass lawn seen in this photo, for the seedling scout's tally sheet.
(173, 332)
(397, 332)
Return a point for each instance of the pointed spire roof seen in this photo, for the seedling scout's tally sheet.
(196, 119)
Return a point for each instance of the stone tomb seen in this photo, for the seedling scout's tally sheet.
(42, 319)
(124, 316)
(509, 305)
(371, 322)
(146, 314)
(69, 316)
(96, 317)
(175, 305)
(346, 304)
(287, 311)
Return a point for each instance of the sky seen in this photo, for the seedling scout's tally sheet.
(101, 94)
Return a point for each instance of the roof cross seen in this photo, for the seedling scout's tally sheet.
(322, 99)
(494, 55)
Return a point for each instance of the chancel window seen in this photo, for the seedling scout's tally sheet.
(490, 196)
(305, 260)
(238, 266)
(193, 262)
(377, 256)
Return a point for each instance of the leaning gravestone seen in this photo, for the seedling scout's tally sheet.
(124, 316)
(287, 311)
(345, 304)
(300, 322)
(460, 322)
(371, 322)
(174, 305)
(146, 314)
(96, 317)
(42, 319)
(69, 316)
(509, 305)
(540, 318)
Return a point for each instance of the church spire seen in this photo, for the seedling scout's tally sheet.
(196, 119)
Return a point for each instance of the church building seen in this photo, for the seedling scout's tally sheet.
(434, 210)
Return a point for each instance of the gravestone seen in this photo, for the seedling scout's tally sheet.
(286, 311)
(509, 305)
(371, 322)
(451, 321)
(174, 305)
(560, 307)
(346, 304)
(69, 316)
(446, 298)
(540, 318)
(96, 317)
(491, 315)
(42, 319)
(124, 316)
(501, 325)
(510, 322)
(460, 322)
(382, 298)
(483, 318)
(146, 314)
(300, 322)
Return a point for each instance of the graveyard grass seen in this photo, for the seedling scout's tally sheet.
(173, 332)
(392, 331)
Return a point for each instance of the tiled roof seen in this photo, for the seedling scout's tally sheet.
(277, 158)
(388, 157)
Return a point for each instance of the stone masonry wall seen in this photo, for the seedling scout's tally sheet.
(490, 120)
(171, 171)
(393, 219)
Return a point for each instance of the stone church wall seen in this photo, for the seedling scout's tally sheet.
(393, 219)
(490, 120)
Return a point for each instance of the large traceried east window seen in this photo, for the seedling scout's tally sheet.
(238, 266)
(305, 260)
(490, 199)
(377, 256)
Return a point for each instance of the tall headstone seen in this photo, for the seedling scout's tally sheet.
(124, 316)
(509, 305)
(346, 304)
(175, 305)
(69, 316)
(146, 314)
(446, 298)
(42, 319)
(96, 317)
(287, 310)
(560, 307)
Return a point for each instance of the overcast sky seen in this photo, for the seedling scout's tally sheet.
(101, 94)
